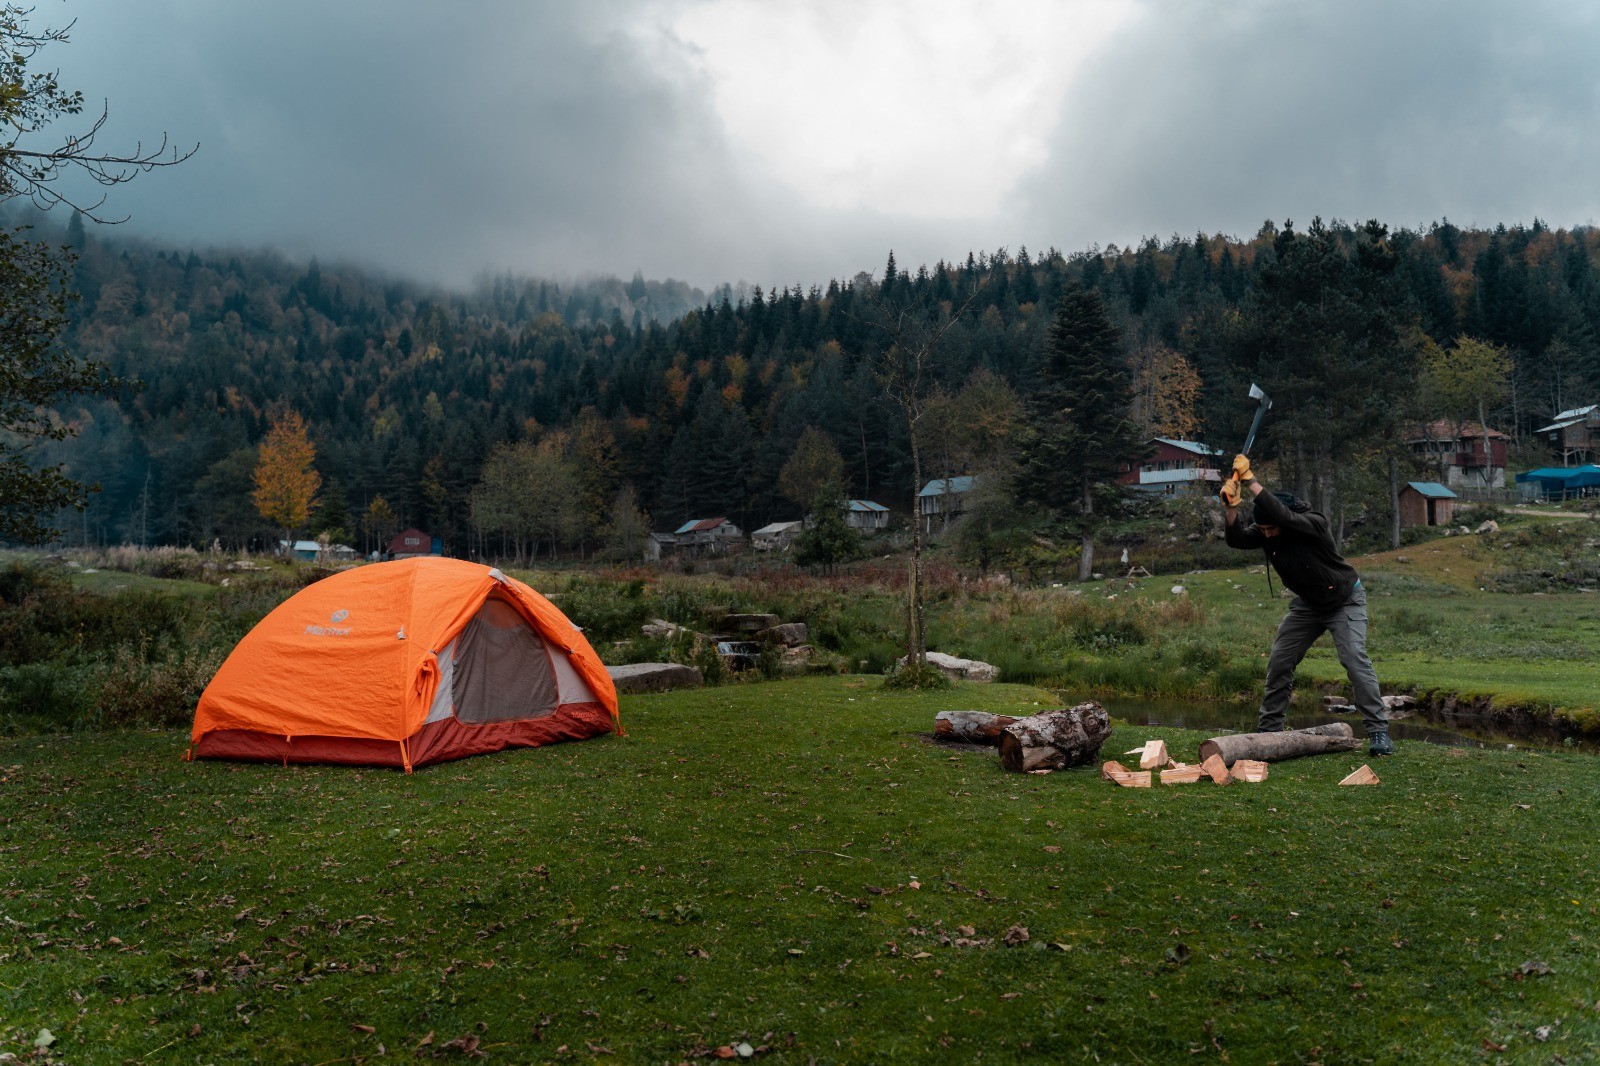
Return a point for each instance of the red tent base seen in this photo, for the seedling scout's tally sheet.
(435, 742)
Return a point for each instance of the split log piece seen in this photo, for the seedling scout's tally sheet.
(1250, 770)
(1275, 747)
(1155, 754)
(1112, 767)
(1217, 769)
(1182, 775)
(974, 727)
(1132, 778)
(1055, 740)
(1363, 776)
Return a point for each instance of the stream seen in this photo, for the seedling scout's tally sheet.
(1241, 718)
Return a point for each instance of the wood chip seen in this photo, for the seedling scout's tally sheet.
(1218, 769)
(1250, 770)
(1363, 776)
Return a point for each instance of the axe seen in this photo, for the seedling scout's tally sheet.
(1264, 402)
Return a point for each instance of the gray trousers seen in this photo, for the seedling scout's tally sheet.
(1300, 629)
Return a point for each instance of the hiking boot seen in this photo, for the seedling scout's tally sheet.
(1379, 744)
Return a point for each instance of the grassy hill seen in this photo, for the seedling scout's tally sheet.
(793, 867)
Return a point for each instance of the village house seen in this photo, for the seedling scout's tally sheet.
(410, 543)
(1426, 503)
(658, 545)
(707, 535)
(943, 499)
(304, 550)
(866, 516)
(1574, 433)
(776, 536)
(1175, 466)
(1468, 456)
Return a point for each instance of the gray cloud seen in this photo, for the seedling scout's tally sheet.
(1219, 115)
(557, 138)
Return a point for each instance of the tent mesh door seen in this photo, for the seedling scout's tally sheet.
(503, 671)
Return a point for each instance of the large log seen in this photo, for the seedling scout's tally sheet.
(1275, 747)
(1055, 740)
(974, 727)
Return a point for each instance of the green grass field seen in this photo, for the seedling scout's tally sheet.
(791, 866)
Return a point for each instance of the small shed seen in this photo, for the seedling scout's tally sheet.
(776, 536)
(304, 550)
(944, 498)
(708, 534)
(1425, 503)
(866, 516)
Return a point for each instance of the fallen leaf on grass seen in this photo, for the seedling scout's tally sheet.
(425, 1041)
(596, 1049)
(1017, 934)
(922, 955)
(357, 1027)
(1178, 954)
(1534, 968)
(1490, 1045)
(1052, 848)
(1010, 995)
(966, 930)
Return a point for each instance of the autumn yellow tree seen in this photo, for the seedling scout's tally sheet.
(286, 482)
(1166, 393)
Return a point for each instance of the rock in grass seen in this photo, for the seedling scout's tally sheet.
(654, 677)
(960, 669)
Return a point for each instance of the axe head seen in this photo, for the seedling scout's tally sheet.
(1257, 394)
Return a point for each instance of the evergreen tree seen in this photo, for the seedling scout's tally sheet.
(1079, 429)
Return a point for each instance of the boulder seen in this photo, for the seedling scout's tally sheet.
(961, 669)
(747, 623)
(1491, 526)
(654, 677)
(660, 627)
(789, 634)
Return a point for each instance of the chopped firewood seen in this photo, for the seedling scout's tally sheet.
(1250, 770)
(1217, 769)
(1131, 778)
(1363, 776)
(1112, 767)
(1179, 774)
(1155, 754)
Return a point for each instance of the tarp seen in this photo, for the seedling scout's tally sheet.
(1559, 482)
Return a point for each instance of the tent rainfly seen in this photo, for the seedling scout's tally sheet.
(403, 664)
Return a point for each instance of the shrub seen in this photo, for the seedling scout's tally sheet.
(916, 676)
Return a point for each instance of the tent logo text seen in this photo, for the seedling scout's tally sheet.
(334, 630)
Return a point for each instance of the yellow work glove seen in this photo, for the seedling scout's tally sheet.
(1230, 492)
(1241, 470)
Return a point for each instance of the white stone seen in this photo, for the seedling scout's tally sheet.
(961, 669)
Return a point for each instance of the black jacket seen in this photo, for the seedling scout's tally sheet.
(1303, 553)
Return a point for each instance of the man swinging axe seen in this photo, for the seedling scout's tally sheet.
(1328, 598)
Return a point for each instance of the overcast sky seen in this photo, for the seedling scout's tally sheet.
(790, 142)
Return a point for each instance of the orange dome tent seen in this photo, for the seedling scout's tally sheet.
(403, 664)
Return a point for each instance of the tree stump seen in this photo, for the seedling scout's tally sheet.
(1055, 740)
(1289, 744)
(974, 727)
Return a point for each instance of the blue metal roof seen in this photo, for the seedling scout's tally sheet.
(1432, 489)
(866, 505)
(939, 486)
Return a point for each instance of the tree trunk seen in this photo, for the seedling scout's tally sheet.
(1289, 744)
(914, 644)
(974, 727)
(1086, 559)
(1394, 500)
(1055, 740)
